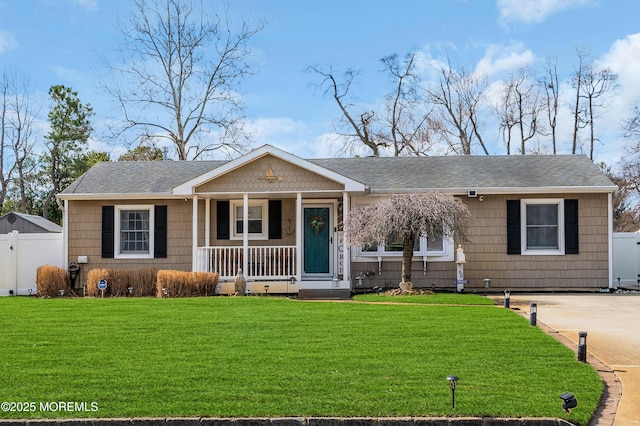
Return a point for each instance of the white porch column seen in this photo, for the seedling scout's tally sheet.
(346, 251)
(245, 234)
(299, 231)
(207, 222)
(194, 235)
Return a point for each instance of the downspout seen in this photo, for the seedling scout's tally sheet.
(65, 230)
(610, 238)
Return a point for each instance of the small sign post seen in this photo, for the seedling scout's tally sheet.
(102, 285)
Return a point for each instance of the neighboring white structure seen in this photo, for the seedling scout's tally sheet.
(626, 259)
(20, 257)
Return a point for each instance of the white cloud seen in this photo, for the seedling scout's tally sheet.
(282, 132)
(500, 58)
(7, 42)
(623, 58)
(534, 11)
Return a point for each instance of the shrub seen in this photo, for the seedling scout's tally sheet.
(142, 282)
(51, 279)
(186, 284)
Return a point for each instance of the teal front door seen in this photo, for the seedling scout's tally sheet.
(317, 241)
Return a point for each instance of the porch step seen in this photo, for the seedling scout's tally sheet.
(320, 294)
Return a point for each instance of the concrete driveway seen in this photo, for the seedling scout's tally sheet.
(612, 323)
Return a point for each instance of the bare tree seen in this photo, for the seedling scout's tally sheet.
(404, 117)
(183, 66)
(506, 114)
(400, 125)
(360, 124)
(596, 84)
(631, 161)
(457, 97)
(16, 135)
(408, 216)
(577, 107)
(551, 87)
(5, 174)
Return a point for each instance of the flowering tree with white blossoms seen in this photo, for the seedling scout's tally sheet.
(407, 216)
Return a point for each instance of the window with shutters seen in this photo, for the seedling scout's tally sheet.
(133, 232)
(542, 230)
(257, 219)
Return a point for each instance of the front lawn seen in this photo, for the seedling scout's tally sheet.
(259, 356)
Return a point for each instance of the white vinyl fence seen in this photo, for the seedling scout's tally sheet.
(20, 257)
(626, 259)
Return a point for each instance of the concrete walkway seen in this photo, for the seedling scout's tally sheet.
(612, 323)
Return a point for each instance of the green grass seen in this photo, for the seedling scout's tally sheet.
(258, 356)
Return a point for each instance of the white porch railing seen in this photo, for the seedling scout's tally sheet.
(264, 262)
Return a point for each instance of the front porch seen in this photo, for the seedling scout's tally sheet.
(266, 263)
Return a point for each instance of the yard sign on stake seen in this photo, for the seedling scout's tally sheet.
(102, 285)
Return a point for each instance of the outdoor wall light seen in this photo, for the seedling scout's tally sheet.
(507, 299)
(453, 382)
(533, 314)
(582, 346)
(266, 289)
(569, 402)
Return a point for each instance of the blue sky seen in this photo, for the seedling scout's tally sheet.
(60, 42)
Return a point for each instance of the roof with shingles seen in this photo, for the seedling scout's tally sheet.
(39, 221)
(470, 172)
(380, 174)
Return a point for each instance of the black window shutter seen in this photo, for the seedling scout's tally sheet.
(571, 245)
(275, 219)
(513, 227)
(222, 221)
(160, 232)
(108, 232)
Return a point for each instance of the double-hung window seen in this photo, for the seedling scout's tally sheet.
(422, 246)
(257, 219)
(543, 226)
(134, 231)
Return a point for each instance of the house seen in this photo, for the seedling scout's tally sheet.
(540, 222)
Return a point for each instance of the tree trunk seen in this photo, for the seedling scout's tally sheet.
(407, 255)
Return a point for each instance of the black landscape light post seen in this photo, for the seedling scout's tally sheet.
(582, 346)
(569, 402)
(507, 299)
(533, 314)
(453, 382)
(266, 289)
(130, 290)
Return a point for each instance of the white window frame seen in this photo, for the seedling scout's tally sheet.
(139, 255)
(264, 235)
(523, 227)
(381, 250)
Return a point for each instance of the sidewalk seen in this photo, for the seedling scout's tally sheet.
(613, 343)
